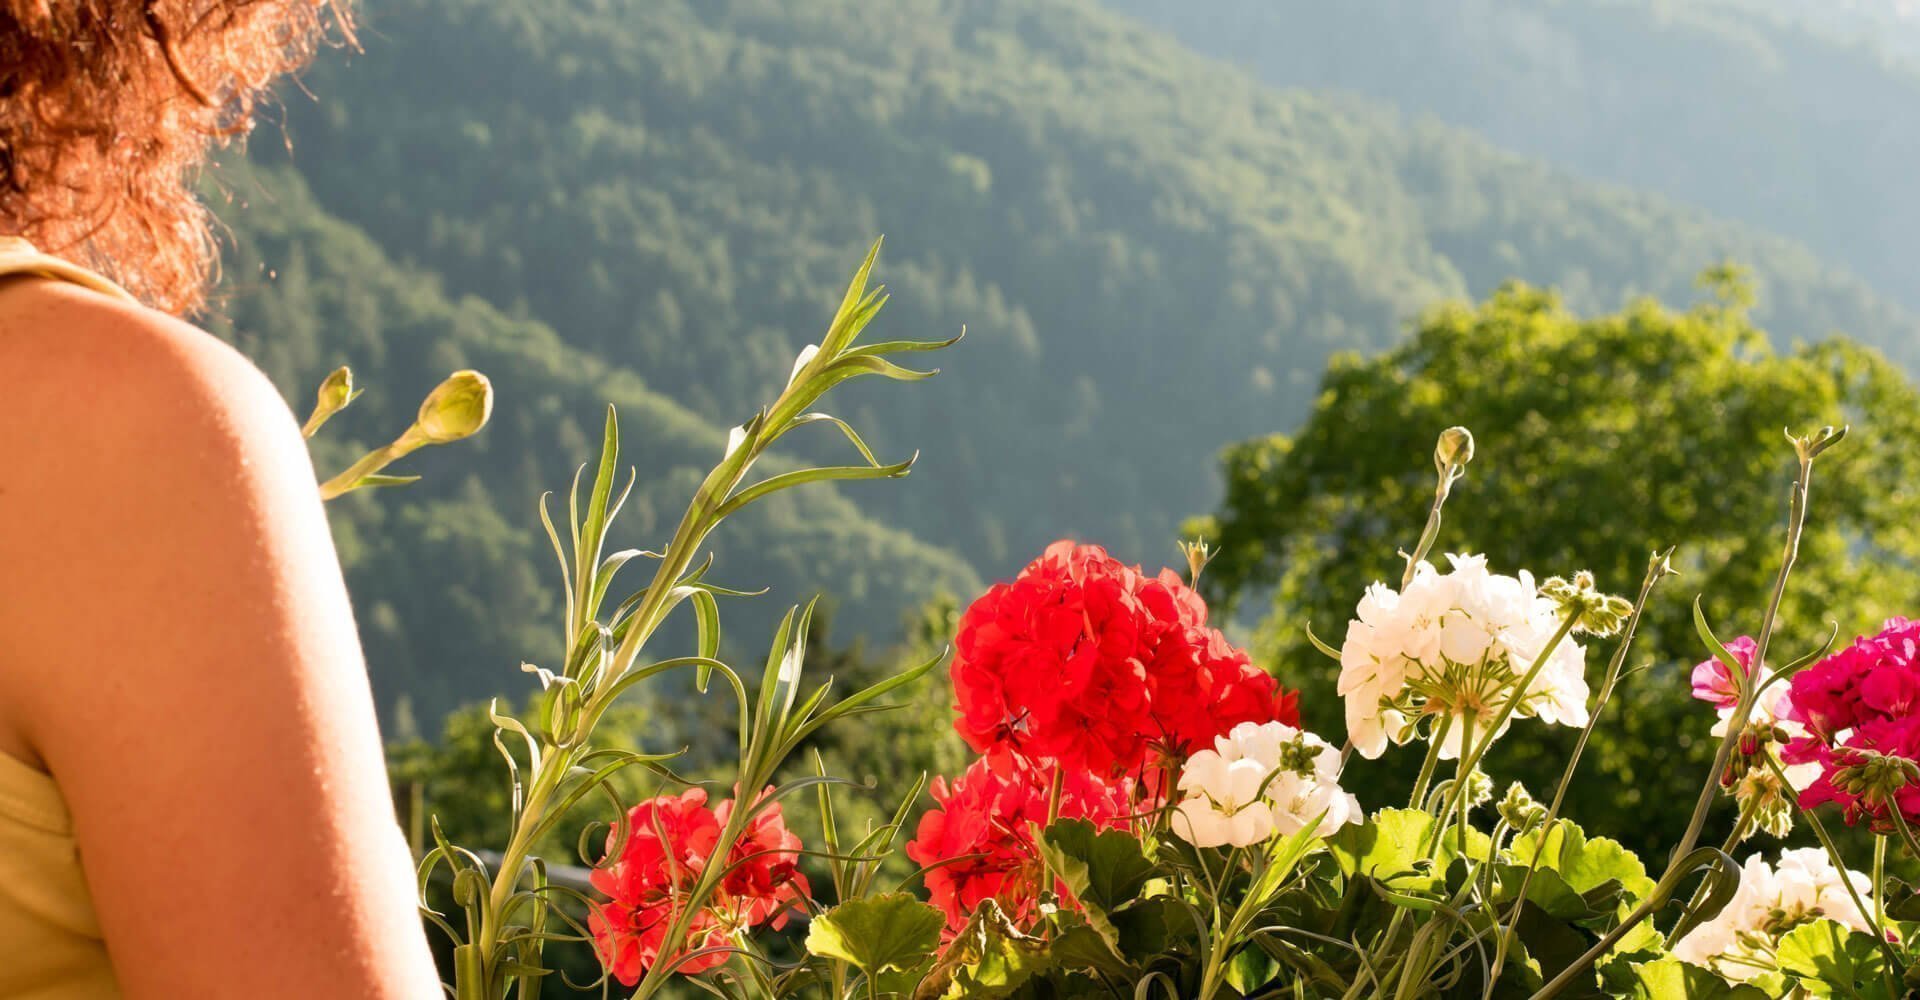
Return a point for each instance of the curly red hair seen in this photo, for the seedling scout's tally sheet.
(108, 108)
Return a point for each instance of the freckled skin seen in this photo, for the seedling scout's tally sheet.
(177, 649)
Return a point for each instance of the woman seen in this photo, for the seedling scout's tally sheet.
(192, 798)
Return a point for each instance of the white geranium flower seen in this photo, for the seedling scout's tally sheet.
(1738, 943)
(1450, 644)
(1221, 801)
(1258, 781)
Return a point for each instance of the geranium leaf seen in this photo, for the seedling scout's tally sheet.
(1671, 979)
(1551, 893)
(1079, 946)
(889, 931)
(1830, 960)
(989, 958)
(1104, 868)
(1387, 848)
(1584, 865)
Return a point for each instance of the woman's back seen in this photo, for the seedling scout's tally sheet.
(177, 653)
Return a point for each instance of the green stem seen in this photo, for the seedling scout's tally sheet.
(1428, 765)
(1748, 814)
(1833, 853)
(369, 463)
(1906, 832)
(1879, 873)
(1430, 533)
(1796, 522)
(1657, 569)
(1512, 703)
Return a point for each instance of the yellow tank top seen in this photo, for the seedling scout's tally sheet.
(50, 946)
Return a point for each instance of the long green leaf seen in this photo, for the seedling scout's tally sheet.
(788, 480)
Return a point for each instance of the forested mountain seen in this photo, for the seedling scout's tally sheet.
(1799, 117)
(1154, 254)
(453, 581)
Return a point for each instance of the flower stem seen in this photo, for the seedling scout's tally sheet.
(1432, 760)
(1879, 872)
(1807, 449)
(1872, 916)
(1657, 569)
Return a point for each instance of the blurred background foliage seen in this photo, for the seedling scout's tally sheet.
(1159, 223)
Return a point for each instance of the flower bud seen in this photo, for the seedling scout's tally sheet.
(1593, 612)
(1479, 788)
(1455, 448)
(1874, 776)
(1198, 554)
(457, 408)
(336, 391)
(1520, 810)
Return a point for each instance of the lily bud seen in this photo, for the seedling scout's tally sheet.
(336, 391)
(1454, 449)
(457, 408)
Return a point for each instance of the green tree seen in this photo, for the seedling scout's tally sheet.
(1599, 439)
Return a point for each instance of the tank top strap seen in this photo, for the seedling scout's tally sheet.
(18, 257)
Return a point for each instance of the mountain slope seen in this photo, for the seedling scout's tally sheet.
(452, 578)
(1731, 105)
(1154, 254)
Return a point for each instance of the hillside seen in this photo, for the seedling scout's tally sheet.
(452, 578)
(1154, 255)
(1794, 116)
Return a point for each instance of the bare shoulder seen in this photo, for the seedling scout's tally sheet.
(141, 460)
(84, 365)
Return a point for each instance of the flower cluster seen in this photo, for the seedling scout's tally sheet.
(669, 842)
(1770, 727)
(1452, 645)
(1260, 781)
(980, 835)
(1860, 707)
(1739, 942)
(1092, 664)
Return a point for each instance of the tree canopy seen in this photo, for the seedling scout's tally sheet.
(1599, 439)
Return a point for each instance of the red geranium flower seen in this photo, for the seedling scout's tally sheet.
(1088, 662)
(1849, 780)
(764, 883)
(670, 841)
(986, 818)
(1859, 702)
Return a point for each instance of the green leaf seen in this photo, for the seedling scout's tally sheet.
(1104, 868)
(1671, 979)
(1385, 846)
(1732, 663)
(990, 958)
(890, 931)
(1551, 893)
(1831, 960)
(788, 480)
(1584, 865)
(1251, 969)
(1903, 902)
(1076, 945)
(376, 481)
